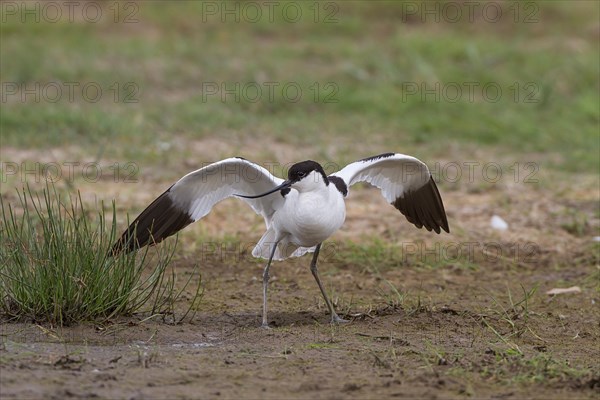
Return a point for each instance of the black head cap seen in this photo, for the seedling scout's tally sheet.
(300, 170)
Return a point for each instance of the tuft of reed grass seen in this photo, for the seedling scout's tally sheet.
(56, 265)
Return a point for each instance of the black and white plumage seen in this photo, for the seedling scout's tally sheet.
(300, 212)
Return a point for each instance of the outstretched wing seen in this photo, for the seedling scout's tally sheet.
(406, 183)
(194, 195)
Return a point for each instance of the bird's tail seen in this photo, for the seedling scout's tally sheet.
(285, 249)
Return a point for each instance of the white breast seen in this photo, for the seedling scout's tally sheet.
(311, 217)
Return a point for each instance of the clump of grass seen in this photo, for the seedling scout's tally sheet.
(373, 256)
(510, 368)
(393, 297)
(516, 316)
(56, 265)
(576, 223)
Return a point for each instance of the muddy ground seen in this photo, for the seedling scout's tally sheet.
(426, 322)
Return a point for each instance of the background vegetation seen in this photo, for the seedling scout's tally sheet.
(543, 56)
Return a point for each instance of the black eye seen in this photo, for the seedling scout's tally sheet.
(301, 174)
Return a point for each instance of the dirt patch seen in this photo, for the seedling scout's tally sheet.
(438, 346)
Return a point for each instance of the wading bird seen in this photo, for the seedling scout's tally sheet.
(300, 212)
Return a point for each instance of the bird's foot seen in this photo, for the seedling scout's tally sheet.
(265, 326)
(335, 319)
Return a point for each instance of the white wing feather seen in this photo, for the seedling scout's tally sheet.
(393, 174)
(406, 183)
(200, 190)
(194, 195)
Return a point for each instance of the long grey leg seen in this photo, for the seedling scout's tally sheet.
(265, 283)
(335, 319)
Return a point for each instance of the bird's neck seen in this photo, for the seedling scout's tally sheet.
(320, 191)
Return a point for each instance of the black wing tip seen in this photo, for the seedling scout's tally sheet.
(377, 157)
(126, 243)
(161, 219)
(444, 221)
(424, 208)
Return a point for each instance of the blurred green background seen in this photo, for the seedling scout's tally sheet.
(372, 76)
